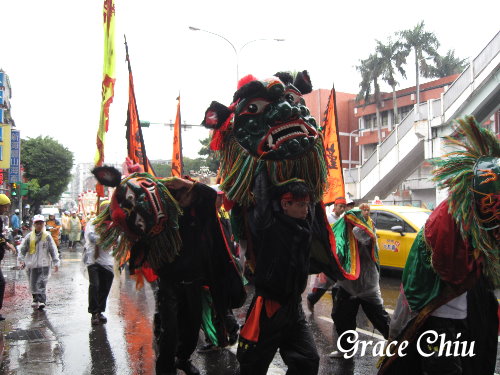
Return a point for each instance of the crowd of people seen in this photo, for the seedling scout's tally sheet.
(284, 235)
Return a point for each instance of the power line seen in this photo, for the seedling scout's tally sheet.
(146, 124)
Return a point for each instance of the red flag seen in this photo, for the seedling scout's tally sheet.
(335, 179)
(135, 141)
(177, 150)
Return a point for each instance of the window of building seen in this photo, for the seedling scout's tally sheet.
(367, 150)
(403, 111)
(1, 134)
(1, 153)
(370, 121)
(385, 118)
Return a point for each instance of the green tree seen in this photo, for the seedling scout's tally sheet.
(47, 167)
(447, 65)
(371, 69)
(192, 164)
(162, 169)
(212, 161)
(392, 58)
(424, 45)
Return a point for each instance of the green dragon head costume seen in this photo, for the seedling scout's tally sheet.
(471, 173)
(456, 251)
(269, 130)
(267, 125)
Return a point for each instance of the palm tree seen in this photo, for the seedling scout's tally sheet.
(371, 70)
(422, 43)
(393, 57)
(448, 65)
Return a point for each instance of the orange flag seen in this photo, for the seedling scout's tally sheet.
(135, 141)
(177, 150)
(335, 179)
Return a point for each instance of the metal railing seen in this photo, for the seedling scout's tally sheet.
(486, 55)
(465, 79)
(388, 144)
(457, 88)
(405, 125)
(392, 139)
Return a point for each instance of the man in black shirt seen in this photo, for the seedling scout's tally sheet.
(275, 319)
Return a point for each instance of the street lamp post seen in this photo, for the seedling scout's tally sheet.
(236, 52)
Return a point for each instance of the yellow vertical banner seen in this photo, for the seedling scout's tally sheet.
(108, 80)
(4, 146)
(177, 149)
(335, 180)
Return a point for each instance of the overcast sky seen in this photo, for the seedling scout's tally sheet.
(52, 51)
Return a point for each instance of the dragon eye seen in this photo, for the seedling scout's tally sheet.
(255, 107)
(292, 96)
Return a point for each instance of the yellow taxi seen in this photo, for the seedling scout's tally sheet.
(397, 227)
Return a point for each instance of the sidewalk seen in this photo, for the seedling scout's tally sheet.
(12, 274)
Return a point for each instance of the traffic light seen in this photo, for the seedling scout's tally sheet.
(13, 189)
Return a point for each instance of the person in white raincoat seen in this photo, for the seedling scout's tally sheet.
(99, 264)
(37, 254)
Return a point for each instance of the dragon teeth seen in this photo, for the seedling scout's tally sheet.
(270, 142)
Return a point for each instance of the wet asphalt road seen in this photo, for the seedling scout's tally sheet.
(61, 340)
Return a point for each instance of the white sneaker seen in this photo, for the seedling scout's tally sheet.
(41, 305)
(34, 305)
(336, 354)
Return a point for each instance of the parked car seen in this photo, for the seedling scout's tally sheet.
(397, 227)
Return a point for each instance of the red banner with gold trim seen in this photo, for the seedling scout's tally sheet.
(335, 180)
(135, 141)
